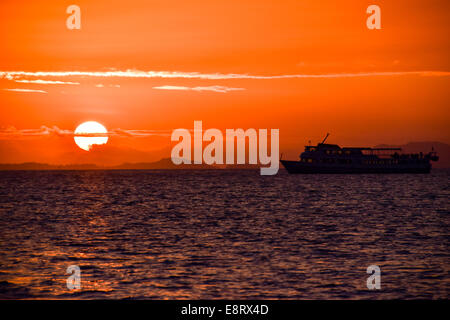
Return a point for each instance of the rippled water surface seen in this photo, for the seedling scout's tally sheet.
(223, 234)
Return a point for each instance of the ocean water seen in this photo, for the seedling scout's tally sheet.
(223, 234)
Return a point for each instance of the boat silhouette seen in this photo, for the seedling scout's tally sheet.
(331, 158)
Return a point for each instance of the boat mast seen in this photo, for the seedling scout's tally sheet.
(325, 138)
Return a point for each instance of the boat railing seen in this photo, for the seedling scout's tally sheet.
(386, 152)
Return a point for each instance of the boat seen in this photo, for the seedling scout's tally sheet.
(331, 158)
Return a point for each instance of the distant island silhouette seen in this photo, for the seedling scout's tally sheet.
(442, 149)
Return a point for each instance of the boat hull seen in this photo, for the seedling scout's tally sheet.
(297, 167)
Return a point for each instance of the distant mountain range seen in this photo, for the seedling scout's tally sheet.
(442, 149)
(158, 165)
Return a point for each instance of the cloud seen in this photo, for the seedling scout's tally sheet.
(19, 76)
(11, 132)
(26, 90)
(209, 88)
(100, 85)
(208, 76)
(138, 133)
(39, 81)
(171, 88)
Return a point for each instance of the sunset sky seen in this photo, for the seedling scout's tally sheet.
(145, 68)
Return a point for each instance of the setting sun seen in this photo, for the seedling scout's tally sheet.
(89, 135)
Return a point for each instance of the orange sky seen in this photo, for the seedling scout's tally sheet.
(403, 95)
